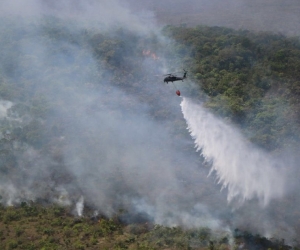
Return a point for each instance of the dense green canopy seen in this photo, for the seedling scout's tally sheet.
(252, 78)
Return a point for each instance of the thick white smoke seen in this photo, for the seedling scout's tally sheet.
(80, 206)
(244, 170)
(4, 106)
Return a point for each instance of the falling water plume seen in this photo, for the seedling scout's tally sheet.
(241, 168)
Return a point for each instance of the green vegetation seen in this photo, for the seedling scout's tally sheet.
(46, 229)
(251, 78)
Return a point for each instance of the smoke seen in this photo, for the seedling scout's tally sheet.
(92, 14)
(80, 206)
(4, 106)
(91, 125)
(277, 16)
(80, 128)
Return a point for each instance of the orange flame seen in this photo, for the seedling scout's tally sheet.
(150, 54)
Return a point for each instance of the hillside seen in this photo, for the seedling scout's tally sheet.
(38, 227)
(87, 123)
(252, 78)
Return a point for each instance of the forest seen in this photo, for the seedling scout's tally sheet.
(32, 226)
(58, 85)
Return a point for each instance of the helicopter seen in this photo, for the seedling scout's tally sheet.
(172, 78)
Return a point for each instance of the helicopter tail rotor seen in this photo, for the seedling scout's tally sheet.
(185, 73)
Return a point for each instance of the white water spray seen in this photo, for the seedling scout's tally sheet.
(244, 170)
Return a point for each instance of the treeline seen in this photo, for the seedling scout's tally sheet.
(32, 226)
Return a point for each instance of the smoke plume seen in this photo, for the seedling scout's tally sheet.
(85, 122)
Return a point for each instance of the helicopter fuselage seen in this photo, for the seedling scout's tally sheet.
(173, 79)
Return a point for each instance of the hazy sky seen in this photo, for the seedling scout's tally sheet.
(266, 15)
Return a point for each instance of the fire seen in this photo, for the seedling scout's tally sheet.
(150, 54)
